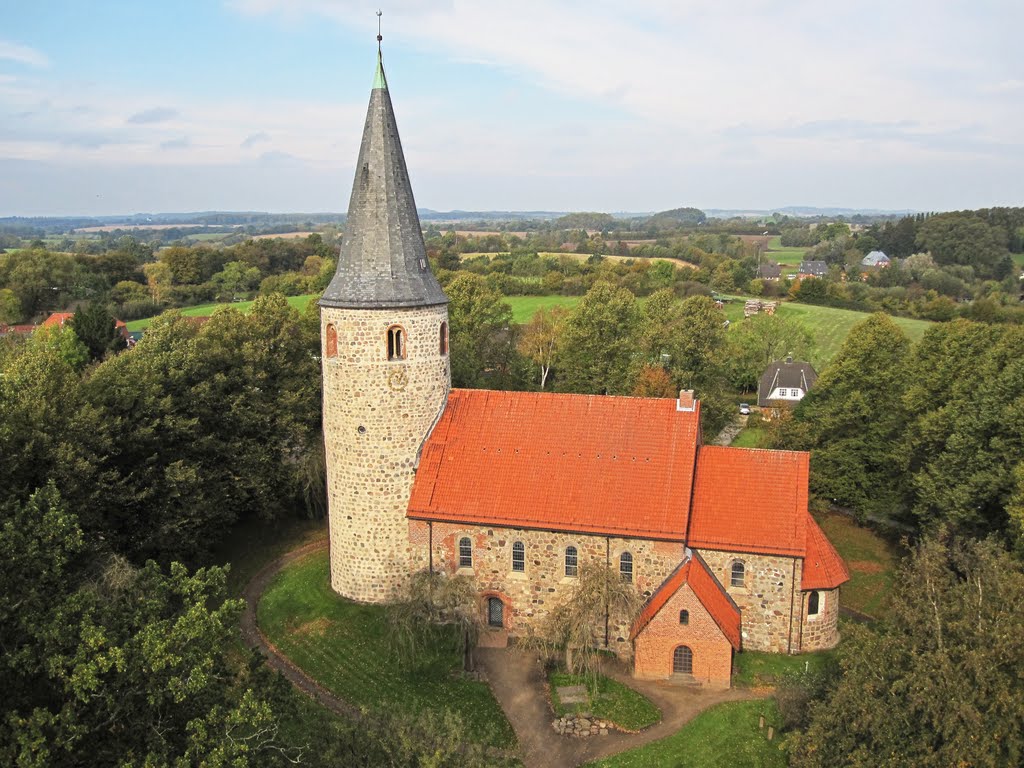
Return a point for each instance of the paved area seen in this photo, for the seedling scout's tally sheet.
(517, 679)
(733, 428)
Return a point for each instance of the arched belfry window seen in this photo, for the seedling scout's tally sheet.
(444, 339)
(396, 343)
(626, 566)
(331, 342)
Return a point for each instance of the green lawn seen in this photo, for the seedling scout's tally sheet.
(524, 307)
(725, 736)
(870, 559)
(205, 310)
(609, 700)
(1018, 259)
(782, 254)
(749, 437)
(754, 668)
(345, 647)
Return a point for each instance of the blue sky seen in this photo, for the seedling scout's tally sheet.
(121, 107)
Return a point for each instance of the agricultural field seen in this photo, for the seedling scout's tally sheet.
(345, 646)
(781, 254)
(725, 736)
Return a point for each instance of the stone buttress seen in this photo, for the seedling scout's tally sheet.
(386, 372)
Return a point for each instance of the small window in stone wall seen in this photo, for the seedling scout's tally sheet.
(465, 552)
(737, 573)
(396, 343)
(519, 557)
(444, 339)
(626, 566)
(813, 604)
(331, 343)
(571, 562)
(684, 616)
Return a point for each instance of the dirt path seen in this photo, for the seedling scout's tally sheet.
(258, 641)
(729, 432)
(517, 679)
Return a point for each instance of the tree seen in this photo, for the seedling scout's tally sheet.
(159, 278)
(237, 276)
(961, 238)
(539, 339)
(94, 324)
(761, 340)
(479, 327)
(10, 307)
(577, 626)
(853, 419)
(939, 682)
(430, 600)
(596, 343)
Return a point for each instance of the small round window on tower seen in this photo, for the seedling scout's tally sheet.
(361, 429)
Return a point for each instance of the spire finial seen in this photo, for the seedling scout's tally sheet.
(379, 38)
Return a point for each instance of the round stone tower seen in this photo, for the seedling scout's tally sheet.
(386, 374)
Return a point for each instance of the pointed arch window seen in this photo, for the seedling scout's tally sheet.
(626, 566)
(571, 562)
(396, 343)
(465, 552)
(519, 557)
(444, 339)
(331, 342)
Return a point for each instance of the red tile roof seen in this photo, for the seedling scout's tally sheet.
(823, 567)
(747, 500)
(57, 318)
(707, 589)
(608, 465)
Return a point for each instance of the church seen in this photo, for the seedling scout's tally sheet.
(522, 490)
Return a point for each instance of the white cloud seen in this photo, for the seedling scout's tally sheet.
(22, 54)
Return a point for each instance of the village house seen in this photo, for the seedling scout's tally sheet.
(785, 382)
(522, 490)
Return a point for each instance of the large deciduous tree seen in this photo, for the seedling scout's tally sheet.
(539, 340)
(941, 681)
(480, 330)
(597, 349)
(759, 341)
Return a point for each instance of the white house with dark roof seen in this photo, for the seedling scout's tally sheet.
(785, 381)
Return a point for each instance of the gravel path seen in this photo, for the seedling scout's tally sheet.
(517, 679)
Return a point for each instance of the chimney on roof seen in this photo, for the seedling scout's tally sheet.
(686, 402)
(789, 358)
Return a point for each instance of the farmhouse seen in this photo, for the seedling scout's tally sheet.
(812, 269)
(522, 490)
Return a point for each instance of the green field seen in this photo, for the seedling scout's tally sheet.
(523, 307)
(784, 254)
(726, 736)
(205, 310)
(755, 668)
(345, 647)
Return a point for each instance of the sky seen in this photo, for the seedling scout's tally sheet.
(122, 107)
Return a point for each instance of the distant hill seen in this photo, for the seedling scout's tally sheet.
(803, 211)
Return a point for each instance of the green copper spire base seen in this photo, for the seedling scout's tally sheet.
(378, 78)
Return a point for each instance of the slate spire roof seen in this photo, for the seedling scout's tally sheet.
(382, 262)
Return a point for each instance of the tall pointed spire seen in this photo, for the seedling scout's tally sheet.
(383, 261)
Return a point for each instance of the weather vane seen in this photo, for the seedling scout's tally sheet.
(379, 38)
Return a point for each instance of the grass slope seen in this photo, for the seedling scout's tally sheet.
(609, 700)
(755, 668)
(870, 559)
(344, 646)
(725, 736)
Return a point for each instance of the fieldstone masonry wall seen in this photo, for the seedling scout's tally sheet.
(769, 599)
(530, 595)
(822, 631)
(376, 416)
